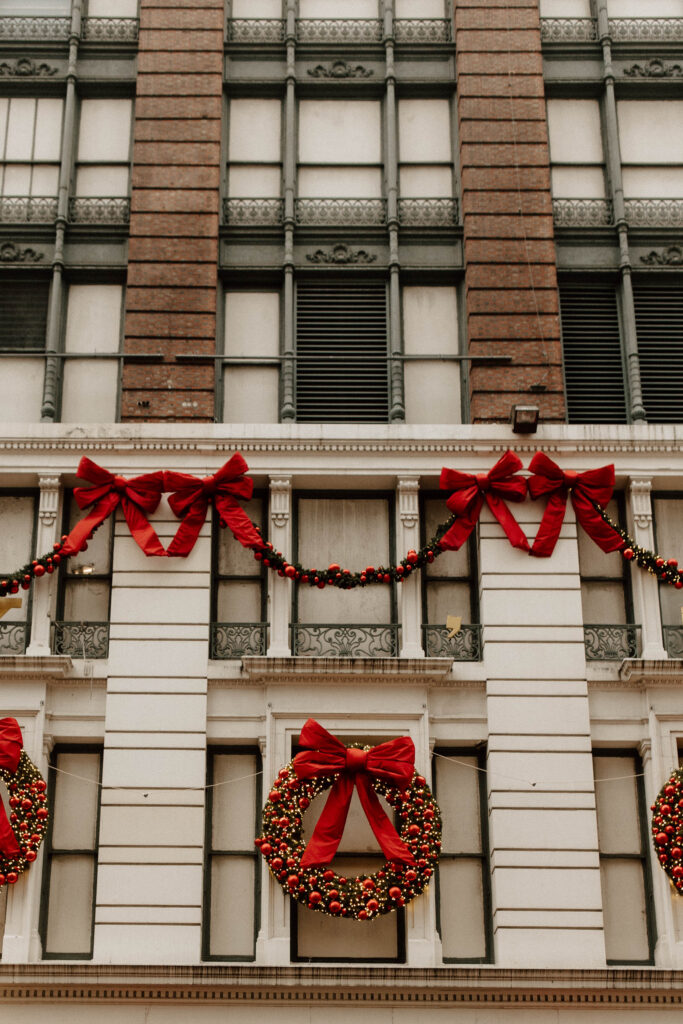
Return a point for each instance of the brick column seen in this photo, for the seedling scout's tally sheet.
(510, 276)
(173, 252)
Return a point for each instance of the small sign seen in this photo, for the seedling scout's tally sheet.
(6, 603)
(453, 623)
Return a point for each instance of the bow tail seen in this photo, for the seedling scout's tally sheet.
(327, 834)
(188, 531)
(9, 847)
(458, 533)
(82, 530)
(595, 526)
(237, 520)
(141, 530)
(390, 842)
(550, 525)
(513, 530)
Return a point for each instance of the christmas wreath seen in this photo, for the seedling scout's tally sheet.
(22, 834)
(667, 827)
(304, 871)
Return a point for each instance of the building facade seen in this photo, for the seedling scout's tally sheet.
(347, 240)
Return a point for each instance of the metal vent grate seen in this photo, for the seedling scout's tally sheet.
(659, 326)
(592, 353)
(23, 312)
(341, 352)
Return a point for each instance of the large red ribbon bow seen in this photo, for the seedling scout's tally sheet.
(137, 496)
(393, 761)
(470, 492)
(596, 484)
(10, 752)
(190, 502)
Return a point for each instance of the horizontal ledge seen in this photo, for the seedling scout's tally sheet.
(283, 670)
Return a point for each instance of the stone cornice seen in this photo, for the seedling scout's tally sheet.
(278, 671)
(642, 673)
(25, 666)
(225, 983)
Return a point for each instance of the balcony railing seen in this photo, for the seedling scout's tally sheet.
(253, 211)
(256, 30)
(238, 639)
(611, 642)
(99, 210)
(673, 641)
(23, 209)
(81, 639)
(654, 213)
(340, 212)
(106, 30)
(464, 646)
(12, 637)
(568, 30)
(582, 213)
(422, 30)
(428, 213)
(339, 30)
(344, 641)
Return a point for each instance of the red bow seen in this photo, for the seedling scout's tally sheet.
(470, 492)
(190, 502)
(137, 496)
(10, 752)
(595, 485)
(393, 761)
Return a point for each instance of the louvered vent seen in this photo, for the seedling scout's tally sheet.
(659, 326)
(341, 352)
(23, 312)
(592, 353)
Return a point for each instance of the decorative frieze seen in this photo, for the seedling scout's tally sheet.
(24, 67)
(340, 69)
(11, 253)
(671, 257)
(654, 68)
(341, 254)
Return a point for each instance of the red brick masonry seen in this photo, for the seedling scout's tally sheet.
(510, 275)
(173, 253)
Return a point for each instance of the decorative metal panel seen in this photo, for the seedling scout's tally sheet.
(111, 29)
(20, 209)
(351, 641)
(81, 639)
(256, 30)
(422, 30)
(99, 210)
(253, 211)
(341, 351)
(339, 30)
(238, 639)
(340, 211)
(431, 213)
(464, 646)
(23, 312)
(561, 30)
(12, 637)
(659, 328)
(34, 28)
(611, 642)
(673, 641)
(592, 352)
(646, 29)
(654, 213)
(582, 213)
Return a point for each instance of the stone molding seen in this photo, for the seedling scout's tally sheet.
(25, 666)
(277, 671)
(80, 982)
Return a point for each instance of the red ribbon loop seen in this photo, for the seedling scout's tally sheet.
(11, 745)
(138, 497)
(393, 761)
(496, 487)
(595, 485)
(190, 502)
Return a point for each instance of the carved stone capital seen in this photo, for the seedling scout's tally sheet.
(408, 500)
(641, 506)
(49, 499)
(280, 500)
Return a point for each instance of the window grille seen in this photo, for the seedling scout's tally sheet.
(592, 353)
(23, 312)
(659, 327)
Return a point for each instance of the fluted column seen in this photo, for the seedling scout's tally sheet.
(279, 587)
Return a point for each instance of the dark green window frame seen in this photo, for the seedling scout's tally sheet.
(26, 595)
(217, 649)
(641, 857)
(482, 855)
(210, 852)
(51, 853)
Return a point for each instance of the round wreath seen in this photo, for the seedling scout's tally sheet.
(28, 816)
(320, 888)
(667, 827)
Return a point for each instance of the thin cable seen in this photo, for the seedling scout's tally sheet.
(515, 778)
(185, 789)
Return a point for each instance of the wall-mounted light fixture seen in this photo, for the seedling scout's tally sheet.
(524, 419)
